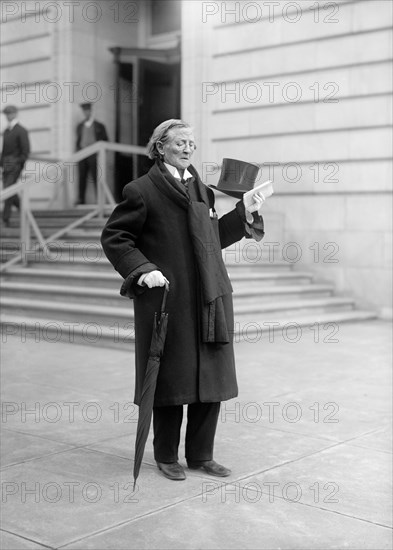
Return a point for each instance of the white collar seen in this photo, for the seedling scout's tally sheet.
(13, 123)
(175, 173)
(89, 122)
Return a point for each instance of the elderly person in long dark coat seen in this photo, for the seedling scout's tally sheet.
(166, 230)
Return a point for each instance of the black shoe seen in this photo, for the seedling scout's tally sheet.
(172, 471)
(211, 467)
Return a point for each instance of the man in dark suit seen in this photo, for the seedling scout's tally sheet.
(88, 132)
(16, 149)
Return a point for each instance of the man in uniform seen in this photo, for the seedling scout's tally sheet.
(16, 149)
(88, 132)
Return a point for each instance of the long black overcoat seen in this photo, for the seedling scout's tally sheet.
(147, 231)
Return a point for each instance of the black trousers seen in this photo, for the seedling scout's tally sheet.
(86, 167)
(202, 421)
(10, 176)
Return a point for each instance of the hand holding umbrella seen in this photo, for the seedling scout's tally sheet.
(149, 384)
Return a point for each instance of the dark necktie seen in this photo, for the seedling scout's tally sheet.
(184, 183)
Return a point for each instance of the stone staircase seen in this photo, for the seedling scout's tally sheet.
(70, 292)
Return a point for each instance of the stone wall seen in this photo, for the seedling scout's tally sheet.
(307, 95)
(55, 56)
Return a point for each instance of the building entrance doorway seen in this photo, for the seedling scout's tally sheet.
(148, 92)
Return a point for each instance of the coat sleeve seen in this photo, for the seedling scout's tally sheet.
(78, 137)
(24, 145)
(119, 241)
(100, 131)
(104, 135)
(233, 226)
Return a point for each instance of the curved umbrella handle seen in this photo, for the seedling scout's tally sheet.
(166, 290)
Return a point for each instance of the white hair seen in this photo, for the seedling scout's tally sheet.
(160, 134)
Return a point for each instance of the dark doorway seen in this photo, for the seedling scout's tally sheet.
(125, 126)
(159, 99)
(149, 93)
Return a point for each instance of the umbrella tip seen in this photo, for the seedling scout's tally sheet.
(133, 490)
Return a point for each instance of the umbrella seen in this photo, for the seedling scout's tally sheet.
(149, 383)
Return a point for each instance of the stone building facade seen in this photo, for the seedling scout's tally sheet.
(302, 88)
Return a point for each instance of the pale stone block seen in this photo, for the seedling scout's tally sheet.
(332, 145)
(289, 149)
(370, 143)
(388, 249)
(286, 24)
(83, 42)
(12, 28)
(43, 190)
(371, 78)
(362, 248)
(40, 141)
(371, 15)
(252, 151)
(365, 175)
(28, 72)
(350, 176)
(27, 50)
(371, 287)
(353, 247)
(315, 254)
(373, 212)
(319, 248)
(365, 111)
(326, 87)
(311, 212)
(247, 35)
(289, 118)
(264, 121)
(254, 64)
(352, 49)
(227, 123)
(323, 88)
(289, 90)
(346, 50)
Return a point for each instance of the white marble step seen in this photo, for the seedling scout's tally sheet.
(122, 311)
(241, 280)
(246, 329)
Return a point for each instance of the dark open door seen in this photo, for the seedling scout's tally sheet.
(125, 126)
(158, 100)
(148, 94)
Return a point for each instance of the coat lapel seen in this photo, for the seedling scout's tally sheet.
(168, 186)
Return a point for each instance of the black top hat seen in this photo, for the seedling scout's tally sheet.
(237, 177)
(86, 106)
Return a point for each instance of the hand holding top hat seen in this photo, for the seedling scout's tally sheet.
(237, 180)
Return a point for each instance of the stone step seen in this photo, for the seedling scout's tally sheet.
(102, 269)
(77, 212)
(325, 328)
(85, 253)
(41, 329)
(101, 306)
(111, 279)
(324, 325)
(79, 312)
(78, 234)
(244, 299)
(305, 304)
(57, 223)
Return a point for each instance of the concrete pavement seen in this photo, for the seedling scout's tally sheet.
(308, 440)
